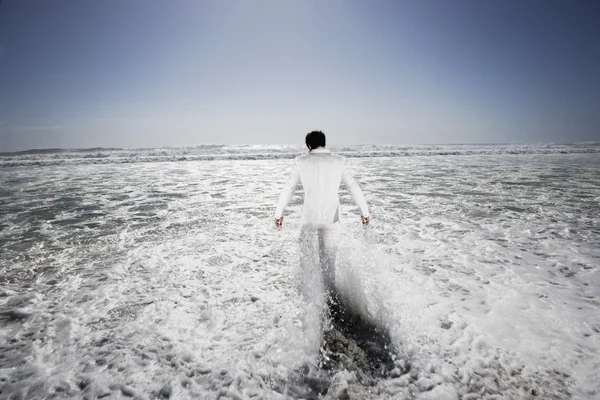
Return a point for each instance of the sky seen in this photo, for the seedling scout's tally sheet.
(148, 73)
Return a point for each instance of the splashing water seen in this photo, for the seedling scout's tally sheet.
(151, 279)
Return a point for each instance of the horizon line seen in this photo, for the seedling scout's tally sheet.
(97, 148)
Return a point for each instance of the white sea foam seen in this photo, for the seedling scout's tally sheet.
(153, 278)
(56, 157)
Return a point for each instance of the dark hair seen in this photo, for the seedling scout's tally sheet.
(315, 139)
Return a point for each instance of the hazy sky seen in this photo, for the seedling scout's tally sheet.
(146, 73)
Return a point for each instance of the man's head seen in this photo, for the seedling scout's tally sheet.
(315, 139)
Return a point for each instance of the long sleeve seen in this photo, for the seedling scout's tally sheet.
(355, 191)
(288, 191)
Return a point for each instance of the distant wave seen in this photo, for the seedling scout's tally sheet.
(99, 155)
(53, 151)
(91, 150)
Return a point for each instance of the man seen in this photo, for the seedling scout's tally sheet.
(321, 173)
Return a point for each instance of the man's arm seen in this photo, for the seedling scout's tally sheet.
(286, 195)
(356, 194)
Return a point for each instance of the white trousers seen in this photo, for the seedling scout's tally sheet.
(318, 249)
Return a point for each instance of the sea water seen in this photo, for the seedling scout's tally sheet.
(158, 273)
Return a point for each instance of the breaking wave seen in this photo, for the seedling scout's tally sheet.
(211, 152)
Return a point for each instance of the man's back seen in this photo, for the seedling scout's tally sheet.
(321, 174)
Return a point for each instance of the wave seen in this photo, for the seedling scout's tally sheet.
(210, 152)
(94, 150)
(53, 151)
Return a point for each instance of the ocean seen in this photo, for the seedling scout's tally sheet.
(158, 273)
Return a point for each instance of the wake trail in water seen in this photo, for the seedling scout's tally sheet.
(355, 350)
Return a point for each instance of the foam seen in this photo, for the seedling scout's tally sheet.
(57, 157)
(146, 278)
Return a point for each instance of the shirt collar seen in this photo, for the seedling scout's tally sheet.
(319, 150)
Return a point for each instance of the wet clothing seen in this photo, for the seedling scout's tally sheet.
(321, 174)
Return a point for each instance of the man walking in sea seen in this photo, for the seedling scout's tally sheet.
(321, 174)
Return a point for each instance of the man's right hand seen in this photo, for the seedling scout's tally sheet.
(279, 222)
(365, 220)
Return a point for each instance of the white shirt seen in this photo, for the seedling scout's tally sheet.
(321, 173)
